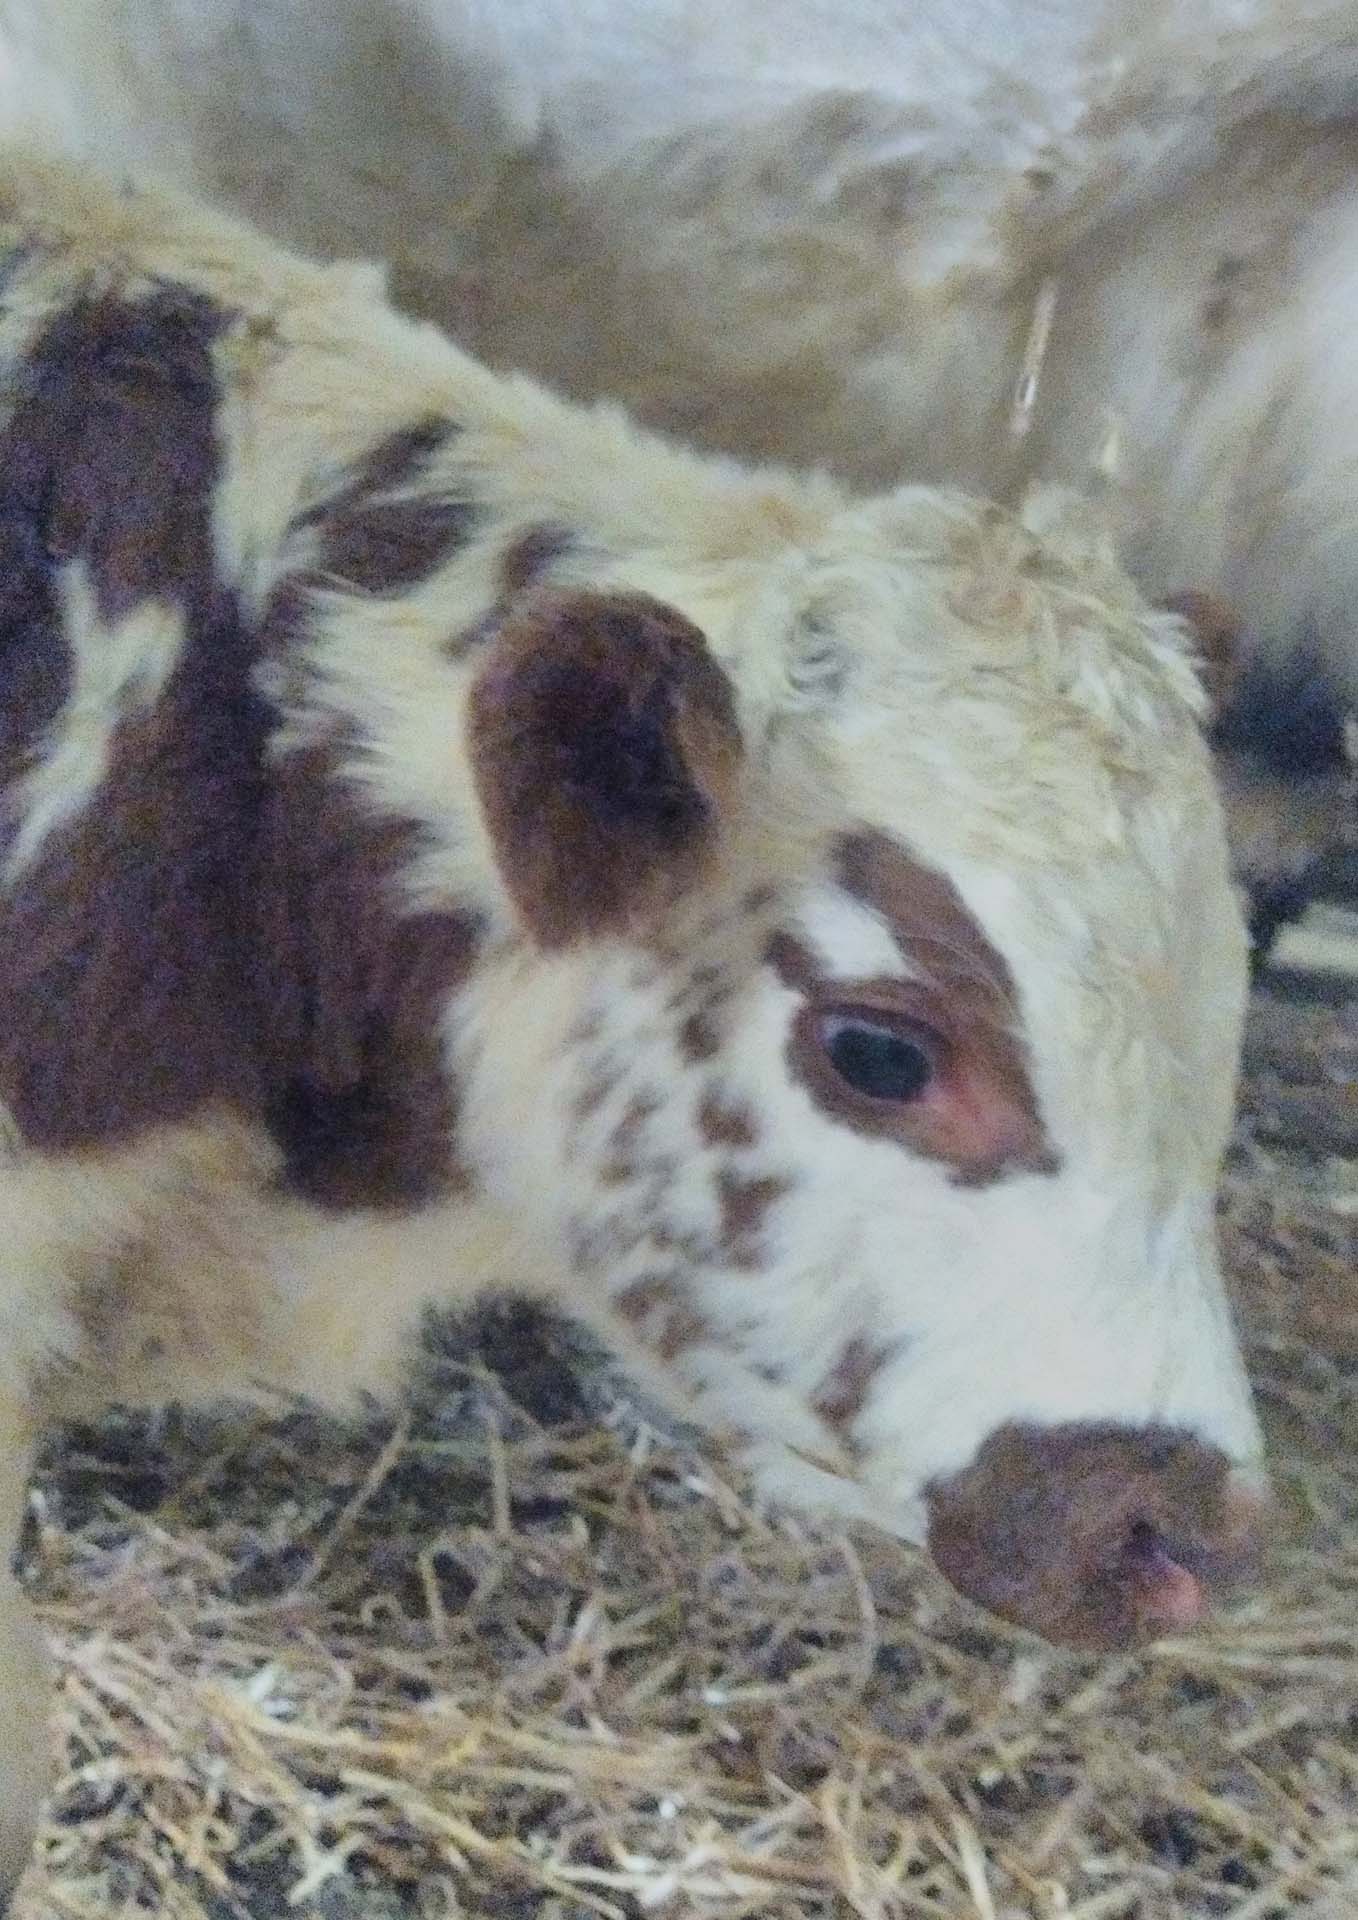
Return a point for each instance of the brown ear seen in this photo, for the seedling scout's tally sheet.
(1216, 628)
(604, 747)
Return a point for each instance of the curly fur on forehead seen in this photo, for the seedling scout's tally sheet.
(989, 681)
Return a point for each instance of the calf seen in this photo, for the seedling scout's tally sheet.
(450, 839)
(829, 233)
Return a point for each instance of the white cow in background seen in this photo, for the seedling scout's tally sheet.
(832, 233)
(829, 232)
(822, 231)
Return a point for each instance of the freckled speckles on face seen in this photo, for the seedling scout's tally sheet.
(700, 1038)
(673, 1186)
(725, 1122)
(661, 1311)
(745, 1206)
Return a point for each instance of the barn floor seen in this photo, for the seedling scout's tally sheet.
(519, 1656)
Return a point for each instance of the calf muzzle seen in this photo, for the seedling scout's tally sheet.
(1097, 1536)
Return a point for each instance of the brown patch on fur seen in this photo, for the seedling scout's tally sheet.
(526, 559)
(626, 1136)
(523, 564)
(596, 1092)
(118, 970)
(377, 535)
(1072, 1530)
(745, 1204)
(726, 1123)
(662, 1297)
(105, 459)
(351, 991)
(1217, 629)
(843, 1393)
(604, 746)
(207, 933)
(694, 1248)
(978, 1113)
(699, 1039)
(115, 444)
(793, 962)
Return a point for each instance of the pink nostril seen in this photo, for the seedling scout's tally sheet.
(1166, 1596)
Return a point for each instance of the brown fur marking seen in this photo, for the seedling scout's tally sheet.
(1216, 628)
(200, 935)
(524, 564)
(350, 993)
(663, 1297)
(843, 1393)
(597, 1091)
(531, 555)
(626, 1136)
(377, 536)
(604, 746)
(124, 1002)
(725, 1123)
(745, 1205)
(699, 1040)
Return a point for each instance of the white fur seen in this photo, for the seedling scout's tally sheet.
(849, 938)
(117, 671)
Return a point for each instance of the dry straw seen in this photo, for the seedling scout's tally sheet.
(519, 1655)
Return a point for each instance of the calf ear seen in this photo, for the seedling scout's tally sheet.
(1215, 626)
(604, 747)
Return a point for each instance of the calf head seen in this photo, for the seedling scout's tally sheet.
(863, 1035)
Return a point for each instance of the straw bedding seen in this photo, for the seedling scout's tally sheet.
(520, 1654)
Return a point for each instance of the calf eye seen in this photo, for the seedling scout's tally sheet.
(877, 1057)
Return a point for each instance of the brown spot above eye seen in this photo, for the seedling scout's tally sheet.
(794, 963)
(744, 1207)
(603, 743)
(979, 1114)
